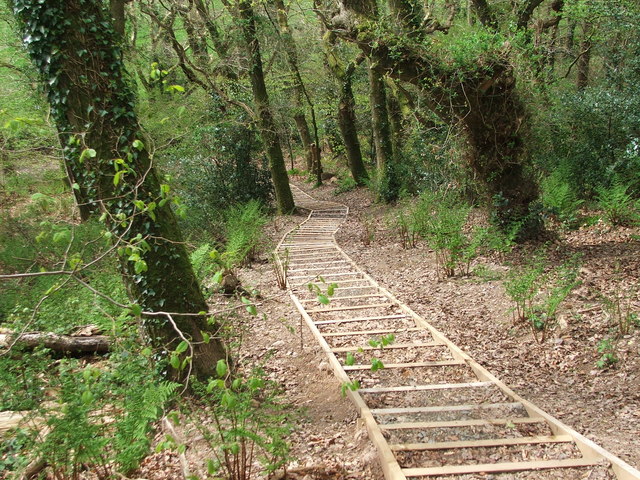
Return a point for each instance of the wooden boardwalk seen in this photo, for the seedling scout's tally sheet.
(429, 408)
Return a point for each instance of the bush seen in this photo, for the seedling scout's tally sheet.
(590, 136)
(217, 168)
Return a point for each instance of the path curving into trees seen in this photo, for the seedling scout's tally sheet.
(429, 408)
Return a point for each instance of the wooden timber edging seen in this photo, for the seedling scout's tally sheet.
(316, 252)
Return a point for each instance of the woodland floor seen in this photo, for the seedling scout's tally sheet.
(559, 375)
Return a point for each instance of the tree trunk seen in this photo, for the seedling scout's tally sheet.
(94, 110)
(584, 59)
(349, 129)
(268, 131)
(300, 93)
(389, 187)
(347, 120)
(116, 8)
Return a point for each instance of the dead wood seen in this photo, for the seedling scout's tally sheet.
(65, 344)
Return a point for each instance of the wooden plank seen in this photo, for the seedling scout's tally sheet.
(497, 467)
(335, 298)
(332, 275)
(444, 408)
(330, 309)
(361, 319)
(388, 347)
(323, 268)
(441, 363)
(379, 331)
(490, 442)
(432, 386)
(479, 422)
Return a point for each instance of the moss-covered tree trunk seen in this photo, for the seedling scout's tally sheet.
(268, 131)
(385, 160)
(74, 46)
(479, 98)
(347, 120)
(349, 129)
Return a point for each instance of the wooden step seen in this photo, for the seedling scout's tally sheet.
(330, 309)
(440, 363)
(497, 467)
(431, 386)
(361, 319)
(479, 422)
(491, 442)
(387, 347)
(443, 408)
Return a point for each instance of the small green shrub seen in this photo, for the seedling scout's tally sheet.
(607, 350)
(444, 217)
(345, 184)
(618, 205)
(249, 423)
(538, 291)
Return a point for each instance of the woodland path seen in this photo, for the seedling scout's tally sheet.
(431, 410)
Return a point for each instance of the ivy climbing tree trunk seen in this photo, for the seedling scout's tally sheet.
(268, 131)
(75, 48)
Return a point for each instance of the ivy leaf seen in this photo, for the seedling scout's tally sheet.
(206, 338)
(140, 266)
(87, 153)
(138, 145)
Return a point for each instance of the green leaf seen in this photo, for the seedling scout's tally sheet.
(140, 266)
(222, 368)
(87, 153)
(206, 338)
(87, 397)
(182, 347)
(323, 299)
(174, 361)
(117, 177)
(350, 359)
(252, 309)
(135, 309)
(75, 186)
(376, 365)
(138, 145)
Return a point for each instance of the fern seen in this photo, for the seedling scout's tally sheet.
(143, 407)
(559, 199)
(618, 205)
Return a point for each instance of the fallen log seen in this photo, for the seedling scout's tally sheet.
(66, 344)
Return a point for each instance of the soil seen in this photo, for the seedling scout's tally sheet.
(559, 375)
